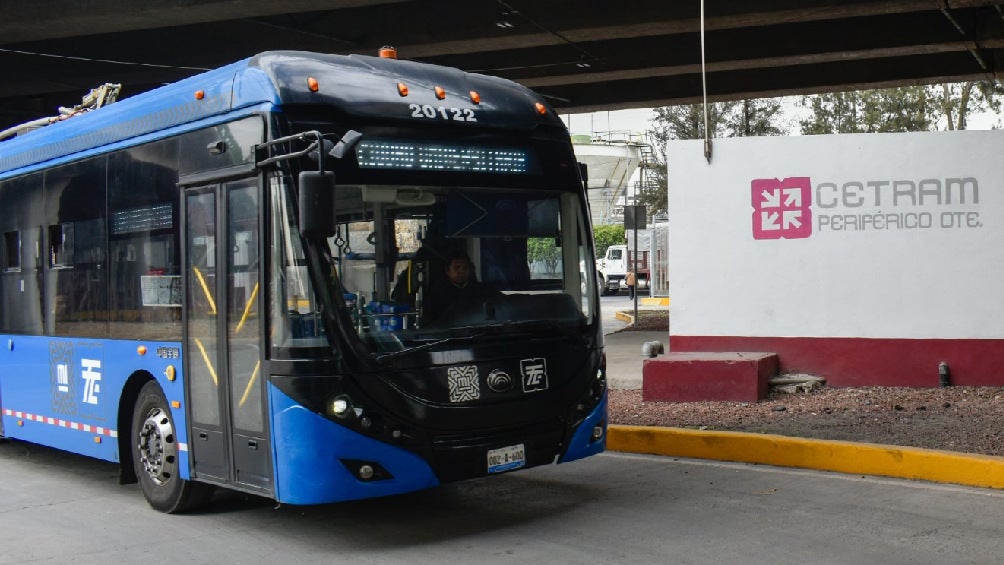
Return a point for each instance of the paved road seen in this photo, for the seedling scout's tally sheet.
(623, 349)
(609, 306)
(614, 508)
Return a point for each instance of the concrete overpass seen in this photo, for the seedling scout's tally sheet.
(583, 55)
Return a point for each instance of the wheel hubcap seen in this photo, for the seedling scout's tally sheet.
(157, 449)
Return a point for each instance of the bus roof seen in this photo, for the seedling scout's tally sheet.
(360, 86)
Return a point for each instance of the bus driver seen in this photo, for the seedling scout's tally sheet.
(458, 289)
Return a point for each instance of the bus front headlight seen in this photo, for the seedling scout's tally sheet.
(341, 407)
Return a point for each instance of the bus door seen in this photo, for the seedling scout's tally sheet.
(228, 442)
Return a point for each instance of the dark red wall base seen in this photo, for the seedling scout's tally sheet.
(869, 362)
(692, 377)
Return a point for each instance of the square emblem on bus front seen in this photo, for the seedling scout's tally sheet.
(506, 458)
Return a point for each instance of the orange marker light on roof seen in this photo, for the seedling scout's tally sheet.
(541, 109)
(387, 52)
(475, 97)
(402, 89)
(141, 350)
(440, 93)
(200, 94)
(312, 84)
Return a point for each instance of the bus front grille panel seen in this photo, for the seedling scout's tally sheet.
(456, 457)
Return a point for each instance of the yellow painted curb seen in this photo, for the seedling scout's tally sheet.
(624, 317)
(824, 455)
(650, 301)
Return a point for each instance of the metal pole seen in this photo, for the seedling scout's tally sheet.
(633, 264)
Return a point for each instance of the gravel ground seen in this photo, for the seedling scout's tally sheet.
(964, 419)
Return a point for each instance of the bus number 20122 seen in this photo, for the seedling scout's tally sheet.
(443, 113)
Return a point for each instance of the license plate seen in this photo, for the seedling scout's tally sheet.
(506, 458)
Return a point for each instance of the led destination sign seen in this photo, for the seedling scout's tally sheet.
(424, 156)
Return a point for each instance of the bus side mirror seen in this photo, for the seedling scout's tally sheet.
(317, 203)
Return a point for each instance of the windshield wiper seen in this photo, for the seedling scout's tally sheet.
(481, 330)
(563, 329)
(424, 347)
(519, 326)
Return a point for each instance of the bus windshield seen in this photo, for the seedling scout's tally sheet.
(415, 265)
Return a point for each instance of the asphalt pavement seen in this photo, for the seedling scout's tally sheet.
(615, 508)
(624, 346)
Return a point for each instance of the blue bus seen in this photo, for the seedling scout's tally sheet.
(245, 280)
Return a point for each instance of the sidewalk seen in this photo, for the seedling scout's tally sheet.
(624, 372)
(623, 348)
(624, 356)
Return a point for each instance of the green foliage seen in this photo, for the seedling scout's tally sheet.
(909, 108)
(687, 122)
(543, 249)
(836, 112)
(651, 192)
(725, 119)
(754, 117)
(605, 236)
(676, 122)
(957, 101)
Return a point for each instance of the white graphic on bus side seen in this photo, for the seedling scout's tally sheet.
(91, 380)
(64, 386)
(63, 378)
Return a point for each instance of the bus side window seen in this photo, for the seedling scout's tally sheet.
(145, 293)
(61, 245)
(12, 251)
(22, 308)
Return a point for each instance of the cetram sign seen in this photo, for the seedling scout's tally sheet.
(842, 252)
(783, 208)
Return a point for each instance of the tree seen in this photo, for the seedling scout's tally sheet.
(754, 117)
(676, 122)
(651, 191)
(911, 108)
(758, 116)
(835, 112)
(957, 101)
(605, 236)
(687, 122)
(725, 119)
(542, 249)
(869, 111)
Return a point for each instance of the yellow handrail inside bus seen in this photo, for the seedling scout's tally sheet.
(247, 390)
(247, 309)
(205, 359)
(205, 290)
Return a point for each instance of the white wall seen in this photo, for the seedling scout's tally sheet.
(730, 274)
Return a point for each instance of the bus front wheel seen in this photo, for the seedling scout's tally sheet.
(155, 456)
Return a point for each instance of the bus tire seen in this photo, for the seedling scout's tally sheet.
(155, 456)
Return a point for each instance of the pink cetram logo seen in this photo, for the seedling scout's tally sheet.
(782, 208)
